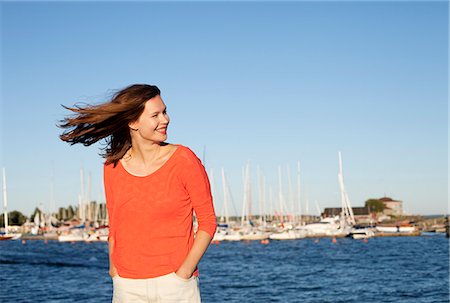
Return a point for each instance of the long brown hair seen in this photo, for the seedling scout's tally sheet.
(108, 121)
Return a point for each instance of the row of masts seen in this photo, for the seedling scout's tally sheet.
(289, 208)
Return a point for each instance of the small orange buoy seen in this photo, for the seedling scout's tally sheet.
(24, 242)
(366, 240)
(334, 240)
(265, 241)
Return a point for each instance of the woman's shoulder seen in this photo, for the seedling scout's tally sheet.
(186, 155)
(184, 151)
(109, 168)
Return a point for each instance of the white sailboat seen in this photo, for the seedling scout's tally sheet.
(326, 227)
(339, 225)
(396, 229)
(225, 232)
(7, 235)
(361, 233)
(347, 218)
(258, 233)
(287, 231)
(78, 233)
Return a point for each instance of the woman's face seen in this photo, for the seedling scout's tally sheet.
(152, 123)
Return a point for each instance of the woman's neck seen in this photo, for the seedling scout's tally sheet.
(145, 153)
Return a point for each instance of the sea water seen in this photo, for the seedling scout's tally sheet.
(390, 269)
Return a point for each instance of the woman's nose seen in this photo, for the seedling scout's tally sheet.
(164, 119)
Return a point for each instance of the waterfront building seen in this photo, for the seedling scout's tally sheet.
(392, 207)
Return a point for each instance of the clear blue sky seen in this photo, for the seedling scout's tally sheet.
(269, 83)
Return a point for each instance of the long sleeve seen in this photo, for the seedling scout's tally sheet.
(197, 185)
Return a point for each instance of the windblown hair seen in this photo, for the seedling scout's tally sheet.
(108, 121)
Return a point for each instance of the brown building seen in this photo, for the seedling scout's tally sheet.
(392, 207)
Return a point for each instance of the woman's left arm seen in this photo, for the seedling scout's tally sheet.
(197, 184)
(200, 246)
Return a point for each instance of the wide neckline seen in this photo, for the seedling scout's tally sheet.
(157, 170)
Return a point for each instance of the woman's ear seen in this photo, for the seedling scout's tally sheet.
(133, 125)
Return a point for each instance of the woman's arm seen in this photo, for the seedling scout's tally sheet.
(197, 184)
(112, 268)
(110, 207)
(199, 247)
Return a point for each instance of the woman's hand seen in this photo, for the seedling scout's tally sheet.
(183, 273)
(113, 272)
(189, 265)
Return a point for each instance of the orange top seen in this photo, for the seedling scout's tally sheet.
(150, 217)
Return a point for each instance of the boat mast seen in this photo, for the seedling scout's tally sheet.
(246, 209)
(249, 193)
(264, 209)
(291, 194)
(225, 196)
(88, 198)
(5, 203)
(270, 216)
(82, 198)
(280, 193)
(298, 193)
(244, 198)
(259, 182)
(347, 211)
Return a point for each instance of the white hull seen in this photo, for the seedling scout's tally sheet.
(233, 237)
(10, 236)
(287, 235)
(362, 233)
(218, 237)
(395, 229)
(255, 236)
(71, 238)
(99, 235)
(326, 227)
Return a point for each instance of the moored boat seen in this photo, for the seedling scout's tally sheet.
(7, 235)
(361, 233)
(395, 229)
(255, 235)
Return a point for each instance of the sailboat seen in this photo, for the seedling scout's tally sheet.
(338, 225)
(7, 235)
(286, 230)
(78, 233)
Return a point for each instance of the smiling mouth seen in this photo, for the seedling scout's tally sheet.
(162, 130)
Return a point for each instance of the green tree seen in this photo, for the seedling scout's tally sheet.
(375, 205)
(14, 218)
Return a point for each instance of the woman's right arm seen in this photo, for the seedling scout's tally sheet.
(110, 207)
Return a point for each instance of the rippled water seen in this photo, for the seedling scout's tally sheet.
(400, 269)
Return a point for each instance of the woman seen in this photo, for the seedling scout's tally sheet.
(152, 189)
